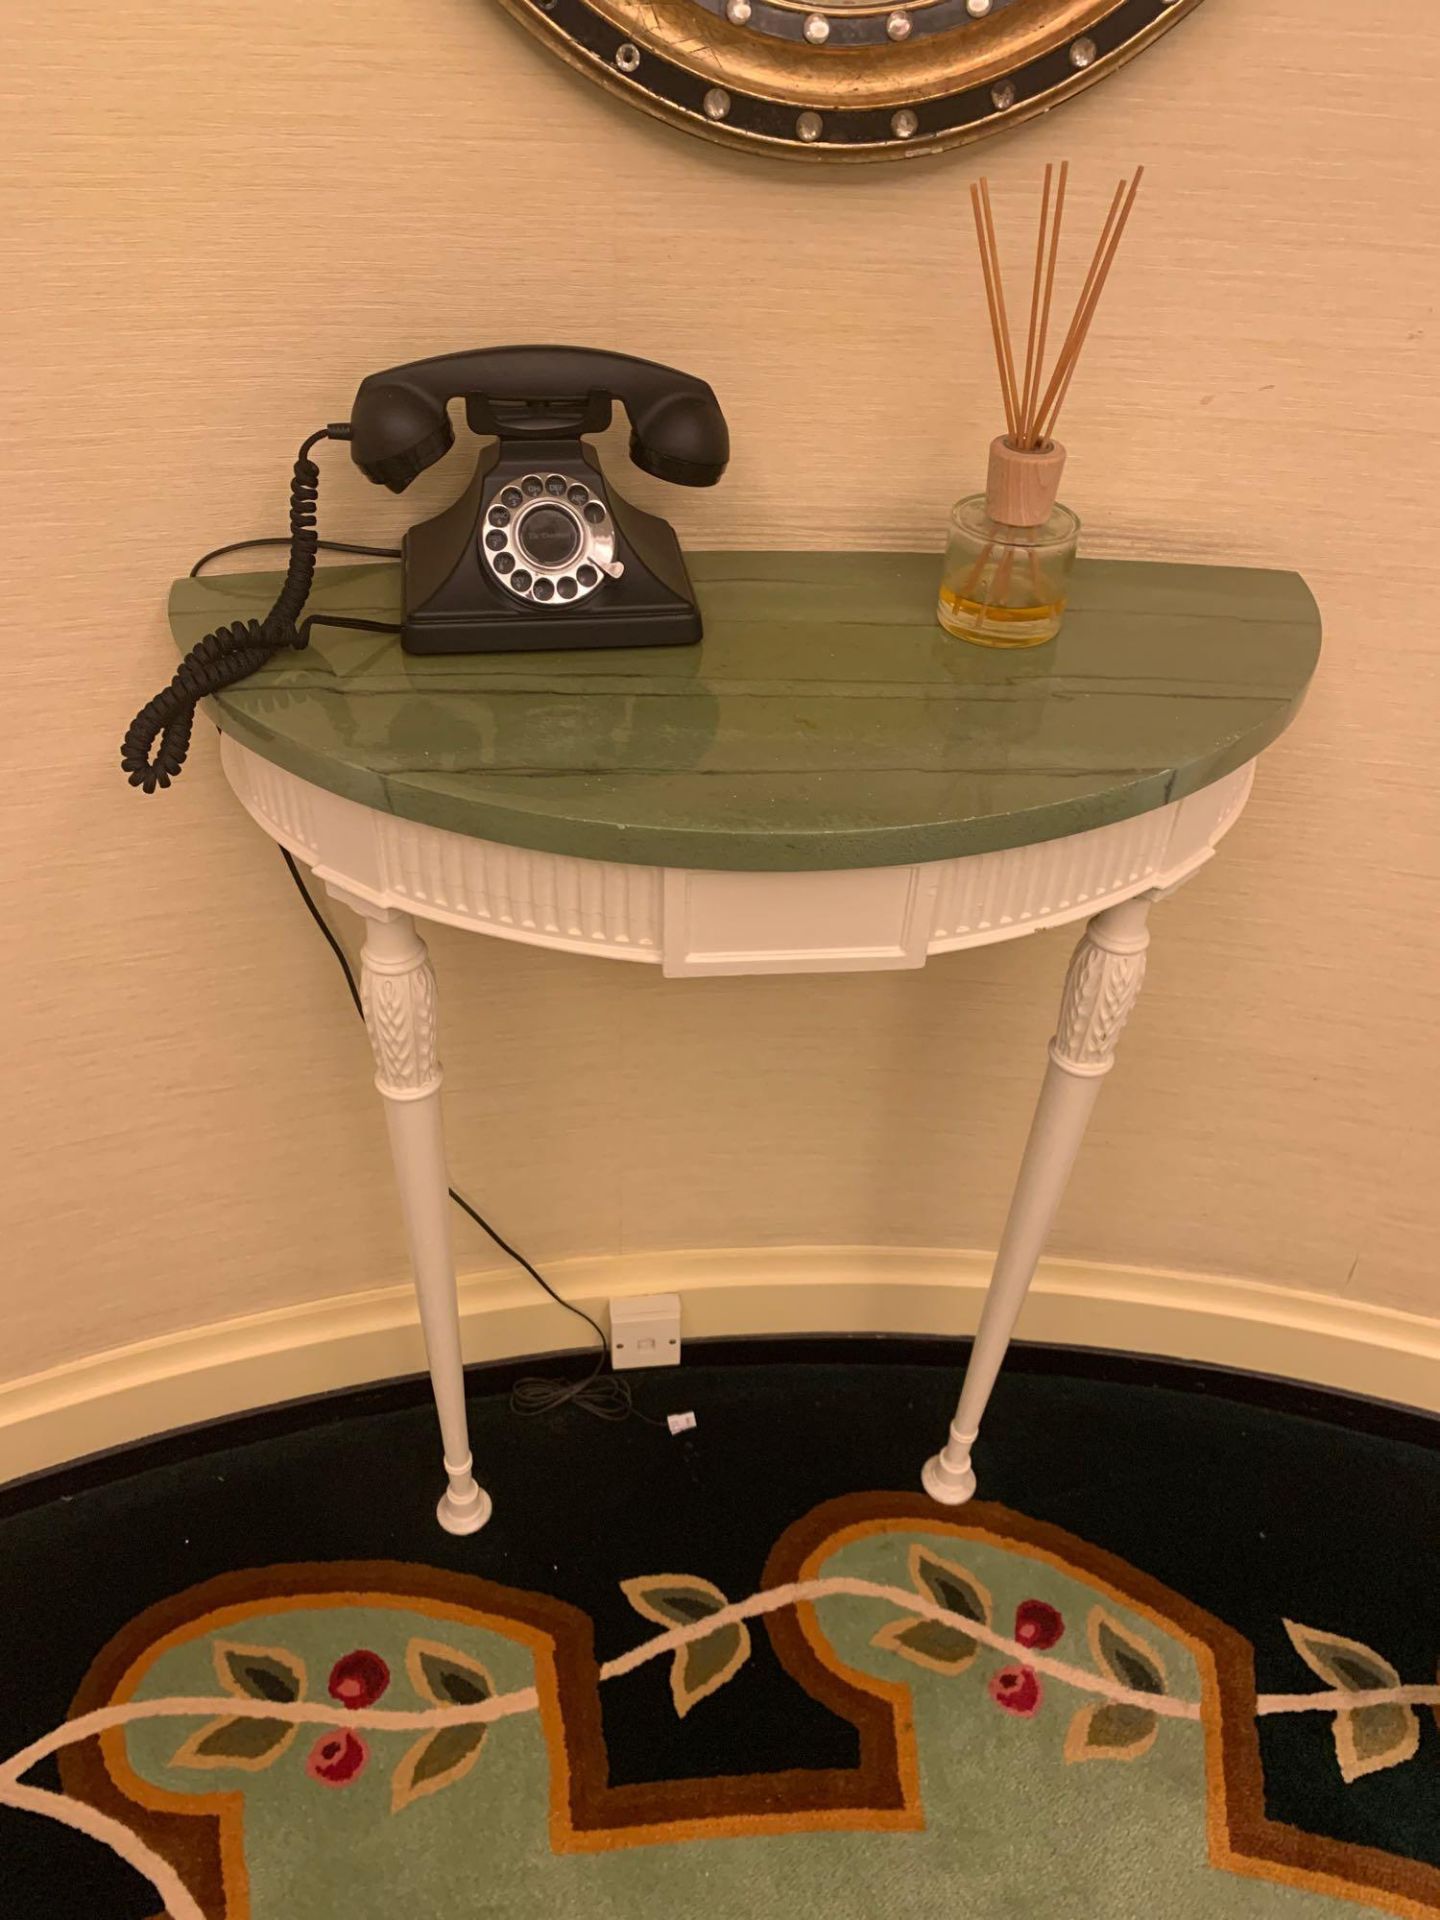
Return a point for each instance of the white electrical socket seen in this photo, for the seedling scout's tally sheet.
(645, 1332)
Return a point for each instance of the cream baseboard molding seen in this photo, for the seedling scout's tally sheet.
(234, 1366)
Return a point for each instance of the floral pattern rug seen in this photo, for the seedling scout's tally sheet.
(1016, 1720)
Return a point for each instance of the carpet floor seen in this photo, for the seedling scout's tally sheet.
(1180, 1656)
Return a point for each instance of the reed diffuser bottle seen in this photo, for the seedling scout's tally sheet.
(1011, 548)
(1006, 577)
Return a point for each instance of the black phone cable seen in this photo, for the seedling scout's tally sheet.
(604, 1394)
(233, 653)
(283, 540)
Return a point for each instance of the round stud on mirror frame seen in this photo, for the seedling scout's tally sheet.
(977, 9)
(904, 124)
(898, 26)
(1002, 95)
(716, 104)
(1082, 51)
(737, 12)
(809, 126)
(627, 58)
(817, 29)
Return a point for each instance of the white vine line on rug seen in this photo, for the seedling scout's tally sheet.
(1344, 1701)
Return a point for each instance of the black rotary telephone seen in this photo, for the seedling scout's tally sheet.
(538, 552)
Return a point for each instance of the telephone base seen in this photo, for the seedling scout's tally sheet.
(499, 632)
(452, 601)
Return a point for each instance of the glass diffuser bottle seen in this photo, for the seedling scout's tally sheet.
(1007, 563)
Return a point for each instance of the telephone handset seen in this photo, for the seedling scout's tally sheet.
(538, 552)
(400, 426)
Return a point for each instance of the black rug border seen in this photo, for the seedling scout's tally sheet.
(1334, 1406)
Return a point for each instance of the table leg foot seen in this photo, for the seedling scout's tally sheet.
(948, 1475)
(464, 1506)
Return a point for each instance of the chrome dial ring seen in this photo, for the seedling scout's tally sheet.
(548, 538)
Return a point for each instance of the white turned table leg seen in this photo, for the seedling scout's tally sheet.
(397, 986)
(1100, 989)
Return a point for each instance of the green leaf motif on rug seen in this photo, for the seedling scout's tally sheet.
(1124, 1656)
(248, 1744)
(674, 1599)
(448, 1679)
(1381, 1736)
(259, 1673)
(1113, 1731)
(1367, 1739)
(437, 1761)
(937, 1644)
(950, 1586)
(702, 1665)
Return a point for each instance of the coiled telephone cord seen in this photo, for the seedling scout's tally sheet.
(234, 652)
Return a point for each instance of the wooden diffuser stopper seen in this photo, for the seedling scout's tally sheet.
(1021, 485)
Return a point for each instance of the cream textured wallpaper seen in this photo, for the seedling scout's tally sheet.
(218, 218)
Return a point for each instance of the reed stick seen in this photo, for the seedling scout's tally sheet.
(1101, 272)
(1062, 358)
(1026, 394)
(1010, 421)
(1028, 437)
(1000, 302)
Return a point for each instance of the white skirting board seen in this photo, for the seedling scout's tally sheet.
(135, 1392)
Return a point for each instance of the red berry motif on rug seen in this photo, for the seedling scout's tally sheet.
(358, 1679)
(1017, 1690)
(337, 1758)
(1038, 1624)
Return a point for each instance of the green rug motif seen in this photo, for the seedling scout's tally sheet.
(1039, 1728)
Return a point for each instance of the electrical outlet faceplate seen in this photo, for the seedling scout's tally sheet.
(645, 1332)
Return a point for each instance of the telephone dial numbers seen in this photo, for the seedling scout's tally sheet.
(549, 538)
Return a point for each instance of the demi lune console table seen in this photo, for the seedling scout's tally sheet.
(827, 782)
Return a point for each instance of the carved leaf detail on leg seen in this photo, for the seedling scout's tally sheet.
(400, 1017)
(1100, 991)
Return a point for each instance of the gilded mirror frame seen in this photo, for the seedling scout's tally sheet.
(846, 80)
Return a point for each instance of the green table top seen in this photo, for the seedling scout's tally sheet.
(824, 721)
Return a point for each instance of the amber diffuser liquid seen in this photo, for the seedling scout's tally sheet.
(994, 625)
(1004, 585)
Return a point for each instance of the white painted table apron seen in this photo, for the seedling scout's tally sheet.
(393, 871)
